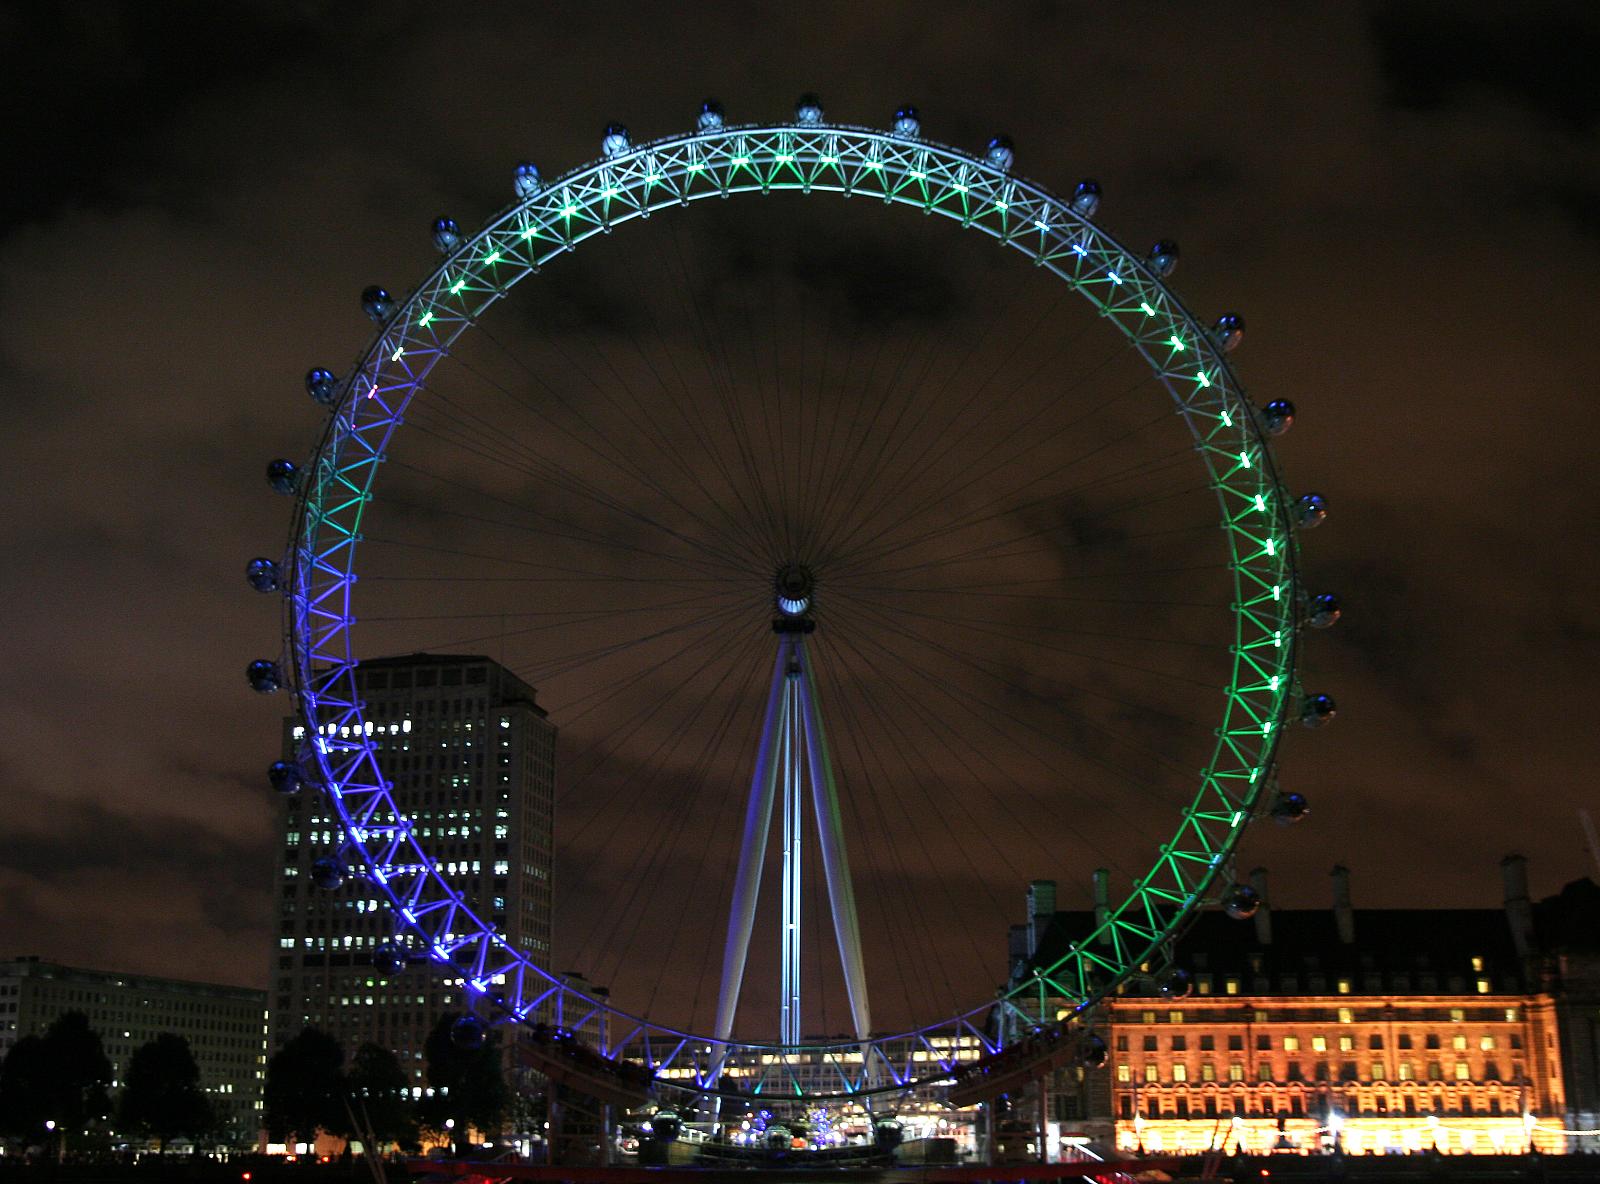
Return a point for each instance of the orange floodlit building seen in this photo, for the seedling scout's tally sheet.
(1371, 1031)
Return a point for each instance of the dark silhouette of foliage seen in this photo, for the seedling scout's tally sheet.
(469, 1084)
(161, 1095)
(380, 1097)
(63, 1079)
(305, 1088)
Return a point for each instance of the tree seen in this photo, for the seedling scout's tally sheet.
(305, 1087)
(62, 1078)
(380, 1097)
(24, 1090)
(469, 1086)
(161, 1095)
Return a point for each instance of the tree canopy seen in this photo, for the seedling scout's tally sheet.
(380, 1096)
(469, 1085)
(60, 1077)
(305, 1087)
(161, 1094)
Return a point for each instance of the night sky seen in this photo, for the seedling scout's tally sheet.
(1402, 199)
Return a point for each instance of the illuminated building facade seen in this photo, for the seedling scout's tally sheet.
(1370, 1031)
(226, 1027)
(472, 758)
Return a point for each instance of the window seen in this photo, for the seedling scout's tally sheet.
(1435, 1072)
(1208, 1071)
(1463, 1071)
(1346, 1043)
(1231, 986)
(1174, 1017)
(1180, 1044)
(1511, 1015)
(1375, 1040)
(1294, 1073)
(1344, 989)
(1235, 1071)
(1264, 1071)
(1124, 1072)
(1483, 986)
(1122, 1043)
(1263, 1043)
(1431, 1041)
(1147, 1017)
(1319, 1044)
(1150, 1044)
(1405, 1040)
(1180, 1072)
(1150, 1073)
(1477, 964)
(1457, 1015)
(1291, 1044)
(1208, 1043)
(1459, 1043)
(1403, 1071)
(1377, 1070)
(1235, 1043)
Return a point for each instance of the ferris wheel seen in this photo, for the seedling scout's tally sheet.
(949, 558)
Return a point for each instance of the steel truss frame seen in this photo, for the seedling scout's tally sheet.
(851, 162)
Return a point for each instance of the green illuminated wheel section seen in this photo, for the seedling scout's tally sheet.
(900, 583)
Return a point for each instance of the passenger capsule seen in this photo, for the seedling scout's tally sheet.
(1309, 510)
(906, 122)
(388, 958)
(446, 234)
(322, 385)
(1318, 710)
(1228, 332)
(377, 303)
(1164, 257)
(525, 179)
(1290, 808)
(286, 777)
(1092, 1052)
(1324, 611)
(808, 110)
(262, 575)
(711, 117)
(264, 676)
(1277, 417)
(283, 475)
(1000, 153)
(1177, 984)
(665, 1125)
(1086, 198)
(615, 141)
(327, 873)
(468, 1033)
(1241, 902)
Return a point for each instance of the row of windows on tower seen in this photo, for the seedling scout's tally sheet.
(1181, 1073)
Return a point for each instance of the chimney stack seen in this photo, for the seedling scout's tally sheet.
(1017, 950)
(1343, 916)
(1258, 881)
(1101, 882)
(1519, 909)
(1041, 910)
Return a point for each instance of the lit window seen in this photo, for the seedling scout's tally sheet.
(1174, 1017)
(1236, 1072)
(1231, 986)
(1124, 1072)
(1347, 1043)
(1459, 1043)
(1463, 1072)
(1346, 1015)
(1457, 1015)
(1377, 1070)
(1403, 1071)
(1180, 1072)
(1486, 1044)
(1511, 1015)
(1150, 1073)
(1291, 1044)
(1483, 986)
(1477, 965)
(1208, 1072)
(1319, 1044)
